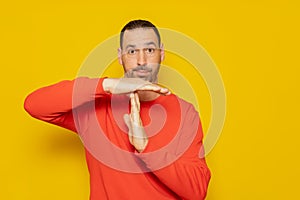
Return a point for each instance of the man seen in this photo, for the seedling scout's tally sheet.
(160, 132)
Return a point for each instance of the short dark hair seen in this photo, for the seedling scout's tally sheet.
(139, 23)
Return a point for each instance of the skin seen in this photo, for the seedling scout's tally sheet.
(141, 66)
(140, 78)
(136, 134)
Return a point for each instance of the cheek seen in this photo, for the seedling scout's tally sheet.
(128, 64)
(155, 69)
(155, 60)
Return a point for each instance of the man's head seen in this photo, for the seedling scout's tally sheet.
(141, 51)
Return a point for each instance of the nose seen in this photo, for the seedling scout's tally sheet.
(141, 59)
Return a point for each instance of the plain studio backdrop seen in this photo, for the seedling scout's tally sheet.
(255, 45)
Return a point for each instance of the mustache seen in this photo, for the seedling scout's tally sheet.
(142, 67)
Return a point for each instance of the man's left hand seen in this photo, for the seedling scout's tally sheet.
(137, 135)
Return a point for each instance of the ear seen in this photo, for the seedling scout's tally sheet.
(162, 52)
(120, 56)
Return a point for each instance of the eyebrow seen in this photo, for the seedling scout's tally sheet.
(130, 46)
(150, 43)
(133, 46)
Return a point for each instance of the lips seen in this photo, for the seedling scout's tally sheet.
(142, 68)
(142, 72)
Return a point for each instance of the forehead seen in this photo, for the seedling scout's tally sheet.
(139, 37)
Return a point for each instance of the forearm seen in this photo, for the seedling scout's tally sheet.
(51, 102)
(188, 179)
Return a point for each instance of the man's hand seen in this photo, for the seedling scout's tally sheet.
(130, 85)
(137, 135)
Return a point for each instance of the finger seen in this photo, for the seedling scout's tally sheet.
(151, 87)
(127, 121)
(139, 139)
(135, 114)
(138, 132)
(155, 88)
(165, 91)
(137, 101)
(132, 101)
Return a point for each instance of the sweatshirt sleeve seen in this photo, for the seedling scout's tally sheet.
(187, 174)
(54, 104)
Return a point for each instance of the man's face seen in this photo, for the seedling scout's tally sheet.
(141, 54)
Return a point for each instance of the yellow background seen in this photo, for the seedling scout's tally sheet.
(255, 45)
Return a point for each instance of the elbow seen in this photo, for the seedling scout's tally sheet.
(200, 192)
(29, 106)
(198, 195)
(203, 188)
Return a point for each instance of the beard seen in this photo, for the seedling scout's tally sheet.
(143, 72)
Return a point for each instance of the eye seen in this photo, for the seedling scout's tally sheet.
(150, 50)
(131, 51)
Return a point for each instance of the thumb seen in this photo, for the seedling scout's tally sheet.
(126, 118)
(127, 121)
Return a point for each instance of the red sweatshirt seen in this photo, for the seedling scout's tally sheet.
(169, 168)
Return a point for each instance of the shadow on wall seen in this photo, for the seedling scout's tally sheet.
(58, 143)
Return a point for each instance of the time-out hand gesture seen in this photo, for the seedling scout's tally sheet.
(130, 85)
(137, 135)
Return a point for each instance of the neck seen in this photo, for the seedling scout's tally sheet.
(147, 95)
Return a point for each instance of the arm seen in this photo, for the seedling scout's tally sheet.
(54, 103)
(186, 174)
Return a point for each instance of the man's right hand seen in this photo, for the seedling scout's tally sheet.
(130, 85)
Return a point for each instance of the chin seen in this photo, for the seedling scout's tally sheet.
(149, 79)
(145, 78)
